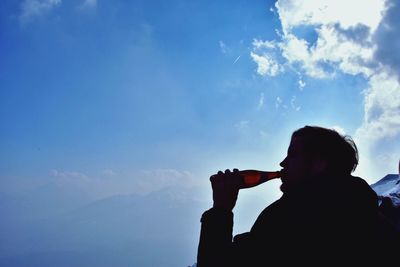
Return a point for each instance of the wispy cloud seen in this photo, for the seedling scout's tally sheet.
(278, 102)
(243, 124)
(110, 182)
(31, 9)
(156, 179)
(68, 174)
(354, 43)
(108, 172)
(302, 84)
(260, 101)
(69, 178)
(259, 44)
(89, 4)
(224, 48)
(293, 104)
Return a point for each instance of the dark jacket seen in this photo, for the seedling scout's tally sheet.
(326, 221)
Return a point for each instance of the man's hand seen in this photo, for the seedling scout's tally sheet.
(225, 189)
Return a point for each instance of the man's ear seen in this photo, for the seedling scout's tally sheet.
(319, 165)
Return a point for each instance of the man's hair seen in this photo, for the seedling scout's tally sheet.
(339, 151)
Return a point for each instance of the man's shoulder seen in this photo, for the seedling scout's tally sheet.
(357, 188)
(274, 207)
(270, 216)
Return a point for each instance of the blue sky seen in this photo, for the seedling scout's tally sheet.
(107, 94)
(137, 97)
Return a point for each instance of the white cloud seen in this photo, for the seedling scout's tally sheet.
(302, 84)
(266, 65)
(381, 109)
(296, 51)
(348, 41)
(331, 52)
(344, 37)
(325, 12)
(265, 55)
(31, 9)
(259, 44)
(343, 54)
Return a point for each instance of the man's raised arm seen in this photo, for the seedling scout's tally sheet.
(215, 246)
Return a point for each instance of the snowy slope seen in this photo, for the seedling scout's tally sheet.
(389, 186)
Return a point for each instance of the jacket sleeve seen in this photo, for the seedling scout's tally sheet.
(215, 238)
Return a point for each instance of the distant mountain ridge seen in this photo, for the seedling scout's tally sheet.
(388, 191)
(60, 226)
(389, 186)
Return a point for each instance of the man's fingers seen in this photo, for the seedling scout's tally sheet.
(225, 178)
(225, 188)
(214, 177)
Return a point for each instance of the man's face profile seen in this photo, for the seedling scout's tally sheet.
(297, 166)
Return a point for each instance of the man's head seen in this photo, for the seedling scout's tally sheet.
(318, 151)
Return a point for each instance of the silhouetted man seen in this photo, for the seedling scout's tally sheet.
(324, 217)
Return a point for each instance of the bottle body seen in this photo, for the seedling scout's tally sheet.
(251, 178)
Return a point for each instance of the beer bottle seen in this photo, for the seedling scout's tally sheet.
(252, 178)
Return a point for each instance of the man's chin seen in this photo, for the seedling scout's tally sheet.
(286, 186)
(283, 187)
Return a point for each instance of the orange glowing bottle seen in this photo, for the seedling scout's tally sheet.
(254, 177)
